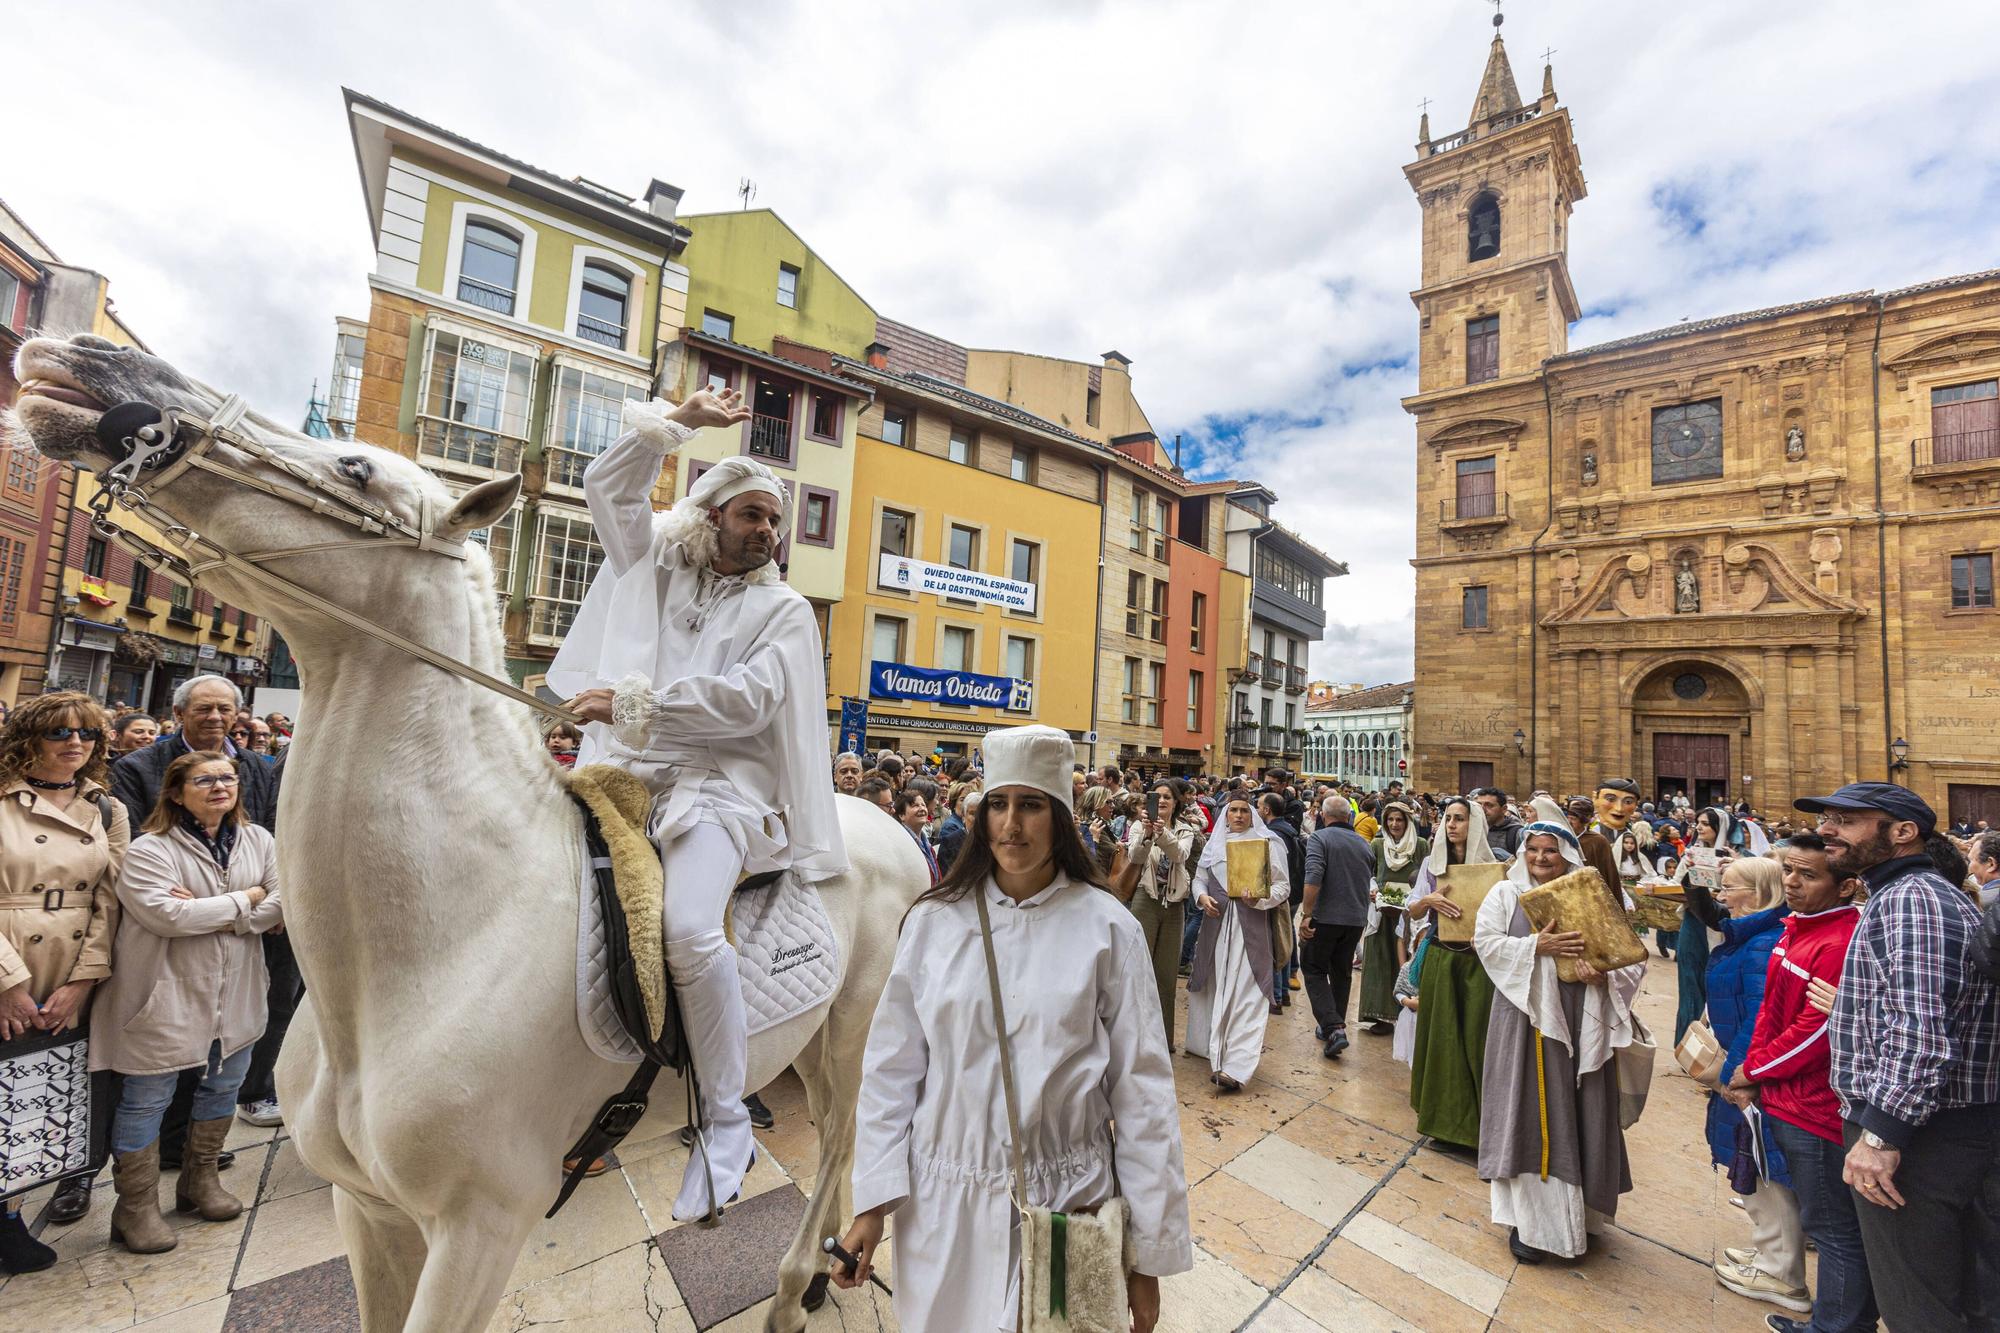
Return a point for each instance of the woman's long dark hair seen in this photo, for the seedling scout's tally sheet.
(975, 859)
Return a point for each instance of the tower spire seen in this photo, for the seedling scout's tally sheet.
(1498, 93)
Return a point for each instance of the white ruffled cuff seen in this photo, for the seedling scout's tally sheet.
(648, 420)
(631, 711)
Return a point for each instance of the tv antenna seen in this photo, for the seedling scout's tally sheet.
(746, 190)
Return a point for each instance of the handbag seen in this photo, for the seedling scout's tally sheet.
(1699, 1054)
(1635, 1073)
(55, 1127)
(1073, 1265)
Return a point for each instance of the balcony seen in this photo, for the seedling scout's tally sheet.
(1275, 740)
(1295, 680)
(1243, 740)
(451, 442)
(181, 615)
(771, 437)
(1473, 511)
(485, 295)
(1506, 120)
(1255, 666)
(600, 331)
(1944, 451)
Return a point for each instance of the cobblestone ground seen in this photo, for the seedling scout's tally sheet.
(1315, 1208)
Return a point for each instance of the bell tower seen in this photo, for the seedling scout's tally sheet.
(1496, 298)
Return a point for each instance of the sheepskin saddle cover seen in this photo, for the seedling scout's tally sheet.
(623, 807)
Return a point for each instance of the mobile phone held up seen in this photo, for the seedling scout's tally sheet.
(1153, 806)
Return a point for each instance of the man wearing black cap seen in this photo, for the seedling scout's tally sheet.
(1915, 1036)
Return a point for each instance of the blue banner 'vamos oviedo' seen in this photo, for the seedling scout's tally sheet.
(892, 680)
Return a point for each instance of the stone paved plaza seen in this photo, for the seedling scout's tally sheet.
(1315, 1208)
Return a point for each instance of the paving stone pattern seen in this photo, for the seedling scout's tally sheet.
(1315, 1206)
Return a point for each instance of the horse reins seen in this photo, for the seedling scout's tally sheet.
(157, 445)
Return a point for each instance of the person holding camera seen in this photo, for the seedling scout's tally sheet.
(1155, 887)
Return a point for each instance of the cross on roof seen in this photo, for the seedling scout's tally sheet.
(1547, 54)
(1425, 106)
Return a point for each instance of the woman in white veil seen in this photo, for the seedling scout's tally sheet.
(1454, 995)
(1229, 988)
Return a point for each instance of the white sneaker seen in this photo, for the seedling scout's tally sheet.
(264, 1113)
(1742, 1257)
(1761, 1286)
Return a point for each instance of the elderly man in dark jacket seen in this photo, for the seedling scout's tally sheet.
(205, 707)
(1332, 915)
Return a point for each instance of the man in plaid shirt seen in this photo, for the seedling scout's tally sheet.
(1915, 1035)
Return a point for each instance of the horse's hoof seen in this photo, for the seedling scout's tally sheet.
(815, 1293)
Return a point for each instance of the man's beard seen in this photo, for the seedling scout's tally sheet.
(740, 554)
(1862, 855)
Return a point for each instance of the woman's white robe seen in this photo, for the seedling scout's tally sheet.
(931, 1140)
(1227, 1018)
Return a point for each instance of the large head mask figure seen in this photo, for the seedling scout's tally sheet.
(1617, 803)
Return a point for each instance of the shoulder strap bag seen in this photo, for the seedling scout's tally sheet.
(1073, 1265)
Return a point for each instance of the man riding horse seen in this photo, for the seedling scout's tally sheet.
(701, 674)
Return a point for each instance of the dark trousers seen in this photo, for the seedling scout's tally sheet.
(1934, 1261)
(282, 997)
(1327, 963)
(1845, 1301)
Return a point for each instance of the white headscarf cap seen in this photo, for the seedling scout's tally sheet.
(1039, 757)
(733, 477)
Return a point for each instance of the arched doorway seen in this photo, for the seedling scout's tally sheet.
(1694, 717)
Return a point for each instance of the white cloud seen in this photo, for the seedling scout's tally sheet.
(1216, 191)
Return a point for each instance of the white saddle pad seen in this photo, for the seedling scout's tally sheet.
(786, 957)
(786, 954)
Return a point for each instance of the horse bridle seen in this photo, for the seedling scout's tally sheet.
(155, 445)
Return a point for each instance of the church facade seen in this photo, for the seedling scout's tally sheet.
(1749, 556)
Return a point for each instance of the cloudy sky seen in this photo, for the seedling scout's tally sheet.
(1215, 190)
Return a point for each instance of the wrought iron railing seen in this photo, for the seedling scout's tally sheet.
(485, 295)
(1295, 680)
(1970, 446)
(600, 331)
(771, 437)
(1473, 509)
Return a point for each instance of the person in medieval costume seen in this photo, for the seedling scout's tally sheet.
(1454, 996)
(1550, 1144)
(700, 673)
(1399, 857)
(1229, 990)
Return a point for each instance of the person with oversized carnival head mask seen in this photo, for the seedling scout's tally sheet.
(1617, 806)
(700, 673)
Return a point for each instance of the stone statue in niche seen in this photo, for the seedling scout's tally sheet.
(1590, 469)
(1795, 443)
(1687, 589)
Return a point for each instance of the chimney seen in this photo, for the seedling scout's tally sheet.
(876, 355)
(663, 200)
(1118, 359)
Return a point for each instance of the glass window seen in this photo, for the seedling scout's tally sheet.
(475, 401)
(344, 396)
(817, 522)
(13, 563)
(566, 556)
(1135, 602)
(824, 423)
(1020, 658)
(1687, 442)
(1194, 701)
(499, 543)
(1971, 582)
(888, 641)
(94, 553)
(10, 294)
(601, 306)
(584, 417)
(959, 450)
(489, 267)
(717, 375)
(142, 582)
(895, 426)
(788, 286)
(1090, 409)
(1197, 613)
(718, 325)
(1024, 562)
(963, 551)
(1156, 689)
(1158, 630)
(955, 654)
(1472, 608)
(1129, 691)
(1022, 466)
(896, 529)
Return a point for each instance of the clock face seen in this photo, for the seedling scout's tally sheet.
(1687, 442)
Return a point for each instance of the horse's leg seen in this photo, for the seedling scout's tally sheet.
(830, 1068)
(467, 1268)
(386, 1251)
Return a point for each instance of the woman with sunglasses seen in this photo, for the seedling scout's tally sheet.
(62, 840)
(199, 885)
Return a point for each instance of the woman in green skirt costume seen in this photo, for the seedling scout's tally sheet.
(1399, 855)
(1454, 995)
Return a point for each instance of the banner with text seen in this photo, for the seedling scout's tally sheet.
(900, 571)
(892, 680)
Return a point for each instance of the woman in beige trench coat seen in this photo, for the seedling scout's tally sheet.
(59, 863)
(199, 885)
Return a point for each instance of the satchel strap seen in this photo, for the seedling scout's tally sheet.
(1006, 1051)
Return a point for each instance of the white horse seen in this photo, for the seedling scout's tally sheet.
(435, 1074)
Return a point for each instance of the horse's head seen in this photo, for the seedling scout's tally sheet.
(67, 386)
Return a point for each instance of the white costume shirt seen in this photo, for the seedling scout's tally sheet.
(721, 689)
(1083, 1019)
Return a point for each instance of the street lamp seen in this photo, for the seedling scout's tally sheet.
(1520, 741)
(1899, 749)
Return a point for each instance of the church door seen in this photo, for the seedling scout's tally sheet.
(1693, 764)
(1473, 775)
(1972, 802)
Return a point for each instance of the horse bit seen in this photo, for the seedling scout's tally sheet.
(155, 446)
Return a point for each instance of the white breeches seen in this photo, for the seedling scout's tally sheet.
(701, 868)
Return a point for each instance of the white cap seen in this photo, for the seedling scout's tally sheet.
(1038, 757)
(733, 477)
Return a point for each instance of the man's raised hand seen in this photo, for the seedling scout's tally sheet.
(712, 407)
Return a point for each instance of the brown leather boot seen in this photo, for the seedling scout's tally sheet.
(200, 1188)
(136, 1222)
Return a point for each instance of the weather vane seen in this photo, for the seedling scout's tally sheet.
(1498, 17)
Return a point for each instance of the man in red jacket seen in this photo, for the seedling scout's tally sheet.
(1785, 1073)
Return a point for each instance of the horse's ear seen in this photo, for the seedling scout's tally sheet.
(481, 507)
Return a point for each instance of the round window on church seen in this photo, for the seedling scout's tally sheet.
(1690, 685)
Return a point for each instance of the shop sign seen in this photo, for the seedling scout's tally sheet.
(892, 680)
(968, 585)
(178, 654)
(248, 666)
(92, 638)
(206, 652)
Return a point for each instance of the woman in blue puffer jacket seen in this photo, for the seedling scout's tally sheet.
(1772, 1268)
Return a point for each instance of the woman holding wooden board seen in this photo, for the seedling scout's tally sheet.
(1550, 1141)
(1454, 998)
(1242, 876)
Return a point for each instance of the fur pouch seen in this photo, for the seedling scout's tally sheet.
(1073, 1268)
